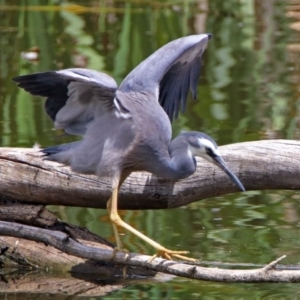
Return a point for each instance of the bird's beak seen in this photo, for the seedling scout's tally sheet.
(219, 161)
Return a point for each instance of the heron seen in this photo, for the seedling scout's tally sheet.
(127, 128)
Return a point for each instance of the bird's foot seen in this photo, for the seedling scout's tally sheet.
(170, 255)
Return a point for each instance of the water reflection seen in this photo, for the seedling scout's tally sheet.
(249, 90)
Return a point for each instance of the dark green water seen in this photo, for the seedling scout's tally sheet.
(248, 90)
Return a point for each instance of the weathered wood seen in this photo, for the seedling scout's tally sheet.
(25, 254)
(39, 216)
(32, 254)
(63, 242)
(269, 164)
(53, 245)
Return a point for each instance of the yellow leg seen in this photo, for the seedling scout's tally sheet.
(117, 221)
(117, 238)
(115, 229)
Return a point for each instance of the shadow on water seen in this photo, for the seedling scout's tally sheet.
(248, 90)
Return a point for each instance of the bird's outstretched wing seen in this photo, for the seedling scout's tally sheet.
(170, 72)
(74, 96)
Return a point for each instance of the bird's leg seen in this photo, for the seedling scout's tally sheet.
(117, 237)
(115, 228)
(117, 221)
(117, 183)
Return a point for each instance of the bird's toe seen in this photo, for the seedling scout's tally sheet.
(171, 255)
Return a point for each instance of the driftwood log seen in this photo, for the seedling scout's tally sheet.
(268, 164)
(34, 263)
(87, 257)
(26, 177)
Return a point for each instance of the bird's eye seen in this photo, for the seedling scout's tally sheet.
(209, 151)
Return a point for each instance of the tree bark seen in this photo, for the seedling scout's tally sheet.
(270, 164)
(60, 247)
(26, 177)
(65, 243)
(32, 252)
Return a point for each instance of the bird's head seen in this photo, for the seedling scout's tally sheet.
(200, 144)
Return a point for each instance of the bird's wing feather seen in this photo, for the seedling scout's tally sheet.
(74, 96)
(170, 72)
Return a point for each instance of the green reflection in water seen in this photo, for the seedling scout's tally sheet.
(182, 288)
(248, 90)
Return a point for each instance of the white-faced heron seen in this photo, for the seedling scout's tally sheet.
(128, 128)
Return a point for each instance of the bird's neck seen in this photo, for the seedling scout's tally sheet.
(180, 162)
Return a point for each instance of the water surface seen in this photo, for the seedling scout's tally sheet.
(248, 90)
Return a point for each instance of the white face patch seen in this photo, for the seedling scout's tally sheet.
(202, 149)
(208, 144)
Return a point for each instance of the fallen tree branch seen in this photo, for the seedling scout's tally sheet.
(63, 242)
(269, 164)
(18, 252)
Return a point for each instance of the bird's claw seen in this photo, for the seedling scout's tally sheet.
(170, 255)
